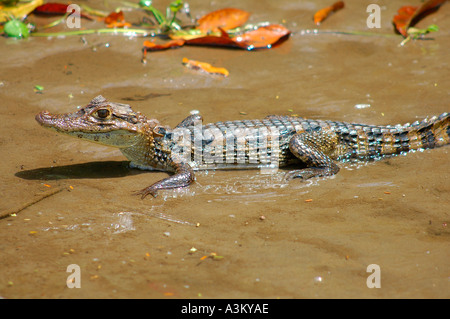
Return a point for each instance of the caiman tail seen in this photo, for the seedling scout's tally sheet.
(430, 133)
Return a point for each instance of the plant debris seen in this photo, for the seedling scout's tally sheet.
(18, 11)
(408, 16)
(116, 20)
(223, 19)
(53, 8)
(324, 13)
(203, 66)
(227, 27)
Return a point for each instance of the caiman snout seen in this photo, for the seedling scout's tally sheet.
(44, 118)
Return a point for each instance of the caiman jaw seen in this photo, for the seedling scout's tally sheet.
(106, 123)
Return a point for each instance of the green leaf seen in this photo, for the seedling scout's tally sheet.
(38, 88)
(433, 28)
(16, 29)
(145, 3)
(176, 6)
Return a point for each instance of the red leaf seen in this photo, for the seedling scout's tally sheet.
(322, 14)
(261, 38)
(225, 19)
(211, 40)
(407, 16)
(53, 8)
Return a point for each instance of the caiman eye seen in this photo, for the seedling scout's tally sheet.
(103, 113)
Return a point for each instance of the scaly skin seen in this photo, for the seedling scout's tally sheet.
(275, 141)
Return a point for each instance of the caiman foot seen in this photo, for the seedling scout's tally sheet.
(147, 191)
(184, 176)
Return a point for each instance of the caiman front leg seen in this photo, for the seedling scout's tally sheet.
(184, 176)
(312, 149)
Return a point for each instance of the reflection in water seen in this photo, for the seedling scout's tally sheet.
(240, 188)
(124, 223)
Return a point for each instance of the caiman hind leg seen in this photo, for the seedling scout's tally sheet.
(313, 149)
(184, 176)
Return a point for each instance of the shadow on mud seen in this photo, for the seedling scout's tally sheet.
(107, 169)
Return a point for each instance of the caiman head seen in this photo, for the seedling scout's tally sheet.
(112, 124)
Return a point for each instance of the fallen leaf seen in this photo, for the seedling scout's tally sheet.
(197, 65)
(263, 37)
(19, 11)
(223, 40)
(16, 29)
(322, 14)
(116, 20)
(403, 17)
(407, 16)
(53, 8)
(225, 19)
(173, 44)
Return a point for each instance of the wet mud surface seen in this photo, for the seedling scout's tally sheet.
(72, 201)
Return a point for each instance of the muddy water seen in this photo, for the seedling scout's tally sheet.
(73, 200)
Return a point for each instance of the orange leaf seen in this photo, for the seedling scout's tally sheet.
(263, 37)
(401, 20)
(322, 14)
(224, 19)
(152, 46)
(114, 17)
(116, 20)
(407, 16)
(197, 65)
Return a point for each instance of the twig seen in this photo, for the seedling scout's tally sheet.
(37, 200)
(360, 33)
(92, 31)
